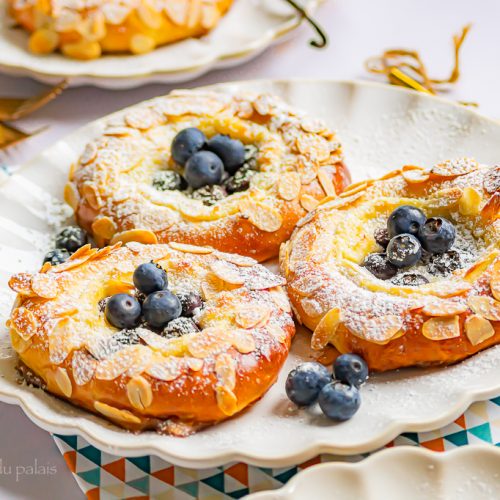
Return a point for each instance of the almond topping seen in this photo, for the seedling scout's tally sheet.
(183, 247)
(325, 330)
(441, 328)
(45, 286)
(118, 363)
(169, 369)
(227, 272)
(491, 211)
(314, 146)
(211, 286)
(63, 381)
(71, 195)
(103, 229)
(470, 201)
(251, 315)
(239, 260)
(116, 414)
(495, 280)
(243, 341)
(113, 286)
(83, 365)
(289, 186)
(21, 283)
(308, 202)
(478, 329)
(91, 194)
(89, 154)
(444, 308)
(325, 179)
(414, 175)
(23, 321)
(208, 342)
(139, 393)
(277, 332)
(139, 235)
(225, 369)
(194, 364)
(261, 215)
(226, 400)
(486, 307)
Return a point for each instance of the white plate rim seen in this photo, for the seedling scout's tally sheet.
(318, 447)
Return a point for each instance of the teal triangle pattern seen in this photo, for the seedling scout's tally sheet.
(239, 493)
(189, 488)
(482, 431)
(412, 436)
(458, 438)
(285, 476)
(496, 401)
(216, 481)
(69, 440)
(92, 476)
(93, 454)
(143, 463)
(141, 484)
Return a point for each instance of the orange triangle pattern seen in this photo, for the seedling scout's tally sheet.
(461, 421)
(93, 494)
(434, 444)
(309, 463)
(70, 458)
(116, 469)
(165, 475)
(238, 472)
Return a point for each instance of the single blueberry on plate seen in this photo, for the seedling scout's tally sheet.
(123, 311)
(190, 301)
(379, 266)
(203, 169)
(404, 250)
(186, 143)
(160, 308)
(57, 256)
(405, 219)
(230, 151)
(304, 383)
(149, 278)
(437, 235)
(339, 401)
(71, 239)
(350, 369)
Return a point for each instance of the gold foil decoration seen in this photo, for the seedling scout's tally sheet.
(406, 68)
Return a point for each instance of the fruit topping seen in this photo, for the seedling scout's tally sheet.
(149, 278)
(161, 307)
(190, 302)
(444, 263)
(405, 219)
(437, 235)
(210, 195)
(304, 383)
(404, 250)
(186, 143)
(339, 401)
(379, 266)
(350, 369)
(410, 279)
(179, 327)
(168, 180)
(230, 151)
(202, 169)
(127, 337)
(381, 236)
(57, 256)
(71, 239)
(123, 311)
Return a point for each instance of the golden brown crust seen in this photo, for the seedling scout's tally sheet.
(392, 326)
(172, 385)
(85, 30)
(299, 159)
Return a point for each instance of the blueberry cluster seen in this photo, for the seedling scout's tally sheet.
(68, 241)
(338, 395)
(154, 305)
(411, 238)
(213, 168)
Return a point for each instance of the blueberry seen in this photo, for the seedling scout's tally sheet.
(149, 278)
(186, 143)
(350, 369)
(203, 169)
(381, 236)
(444, 263)
(410, 279)
(71, 239)
(57, 256)
(304, 383)
(437, 235)
(339, 401)
(123, 311)
(230, 151)
(179, 327)
(379, 266)
(405, 219)
(190, 301)
(404, 250)
(160, 308)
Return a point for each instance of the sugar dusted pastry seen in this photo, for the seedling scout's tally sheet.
(215, 348)
(86, 29)
(235, 172)
(403, 270)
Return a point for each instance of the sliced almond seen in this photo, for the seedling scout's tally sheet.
(455, 168)
(470, 201)
(118, 363)
(354, 189)
(414, 175)
(139, 235)
(441, 328)
(211, 286)
(308, 202)
(209, 15)
(261, 215)
(194, 364)
(243, 341)
(491, 211)
(142, 118)
(114, 286)
(277, 332)
(169, 369)
(103, 229)
(150, 17)
(325, 330)
(115, 414)
(225, 369)
(63, 381)
(83, 366)
(251, 315)
(280, 299)
(325, 179)
(194, 13)
(227, 272)
(444, 308)
(485, 306)
(89, 154)
(314, 146)
(226, 400)
(177, 11)
(239, 260)
(71, 195)
(24, 322)
(289, 186)
(478, 329)
(139, 393)
(21, 283)
(491, 182)
(183, 247)
(45, 285)
(91, 194)
(208, 342)
(18, 343)
(495, 280)
(379, 330)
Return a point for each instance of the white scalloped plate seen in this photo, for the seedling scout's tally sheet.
(249, 28)
(382, 128)
(468, 473)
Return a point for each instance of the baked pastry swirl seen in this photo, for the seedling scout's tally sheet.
(89, 28)
(139, 378)
(447, 315)
(114, 191)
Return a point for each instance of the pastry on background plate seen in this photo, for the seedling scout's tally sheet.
(235, 172)
(166, 337)
(90, 28)
(403, 270)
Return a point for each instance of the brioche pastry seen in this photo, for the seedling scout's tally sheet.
(444, 316)
(89, 28)
(141, 379)
(116, 197)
